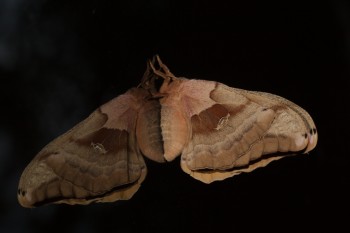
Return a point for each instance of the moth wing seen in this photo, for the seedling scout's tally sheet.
(239, 131)
(96, 161)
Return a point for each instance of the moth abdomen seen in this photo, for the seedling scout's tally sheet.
(175, 131)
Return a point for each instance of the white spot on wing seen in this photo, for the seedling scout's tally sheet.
(222, 122)
(99, 148)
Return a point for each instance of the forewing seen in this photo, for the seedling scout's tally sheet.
(96, 161)
(239, 131)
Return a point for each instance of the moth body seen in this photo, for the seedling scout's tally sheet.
(218, 131)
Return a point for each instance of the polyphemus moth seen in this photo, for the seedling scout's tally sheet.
(219, 131)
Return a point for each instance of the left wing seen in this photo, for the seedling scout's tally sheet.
(96, 161)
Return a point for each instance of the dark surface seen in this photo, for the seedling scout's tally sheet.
(60, 60)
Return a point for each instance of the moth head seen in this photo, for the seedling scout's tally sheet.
(157, 77)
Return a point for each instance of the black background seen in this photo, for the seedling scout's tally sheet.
(60, 60)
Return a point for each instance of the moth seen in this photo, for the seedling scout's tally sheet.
(218, 131)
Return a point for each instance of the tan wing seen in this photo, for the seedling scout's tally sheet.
(96, 161)
(236, 131)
